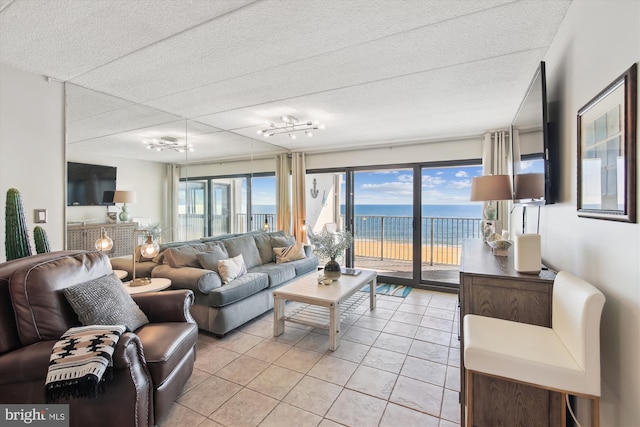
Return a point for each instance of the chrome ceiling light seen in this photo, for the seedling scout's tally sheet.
(290, 125)
(167, 143)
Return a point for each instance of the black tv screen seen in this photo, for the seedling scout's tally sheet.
(90, 185)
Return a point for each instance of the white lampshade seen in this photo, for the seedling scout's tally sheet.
(120, 196)
(529, 186)
(491, 187)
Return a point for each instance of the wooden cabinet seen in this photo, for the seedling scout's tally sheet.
(83, 237)
(489, 286)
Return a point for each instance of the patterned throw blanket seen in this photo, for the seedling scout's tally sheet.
(79, 361)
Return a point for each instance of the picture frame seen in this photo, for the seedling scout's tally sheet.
(607, 151)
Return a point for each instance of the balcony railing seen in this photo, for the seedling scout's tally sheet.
(380, 237)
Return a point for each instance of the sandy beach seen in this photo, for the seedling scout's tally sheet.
(403, 251)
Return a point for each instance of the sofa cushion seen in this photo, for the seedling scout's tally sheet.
(277, 273)
(304, 266)
(281, 241)
(104, 301)
(184, 256)
(290, 253)
(263, 243)
(211, 245)
(209, 260)
(245, 245)
(232, 268)
(242, 287)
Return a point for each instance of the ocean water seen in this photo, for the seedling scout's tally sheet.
(442, 224)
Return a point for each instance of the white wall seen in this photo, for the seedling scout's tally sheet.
(32, 149)
(597, 42)
(147, 179)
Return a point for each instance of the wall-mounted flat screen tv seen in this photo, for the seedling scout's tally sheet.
(90, 185)
(531, 148)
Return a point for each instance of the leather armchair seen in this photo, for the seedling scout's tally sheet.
(151, 365)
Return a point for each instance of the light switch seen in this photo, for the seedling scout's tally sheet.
(40, 216)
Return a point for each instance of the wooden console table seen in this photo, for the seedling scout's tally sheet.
(489, 286)
(83, 237)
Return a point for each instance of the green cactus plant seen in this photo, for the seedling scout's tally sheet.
(41, 240)
(16, 231)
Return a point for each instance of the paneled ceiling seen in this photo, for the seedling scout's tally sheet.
(374, 72)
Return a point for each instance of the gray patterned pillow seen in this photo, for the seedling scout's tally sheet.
(105, 301)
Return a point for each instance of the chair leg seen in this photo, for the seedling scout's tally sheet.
(595, 412)
(563, 410)
(469, 398)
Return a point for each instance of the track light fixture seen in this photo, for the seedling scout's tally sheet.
(290, 125)
(167, 143)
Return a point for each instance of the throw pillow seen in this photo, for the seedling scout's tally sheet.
(290, 253)
(231, 268)
(209, 260)
(105, 301)
(183, 256)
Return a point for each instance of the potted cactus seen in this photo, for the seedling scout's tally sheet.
(16, 232)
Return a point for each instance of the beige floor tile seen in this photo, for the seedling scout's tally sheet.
(242, 370)
(287, 415)
(246, 408)
(315, 342)
(453, 378)
(446, 423)
(239, 342)
(393, 343)
(386, 360)
(180, 416)
(430, 351)
(444, 302)
(379, 313)
(396, 416)
(411, 308)
(291, 335)
(410, 318)
(372, 381)
(439, 313)
(368, 322)
(418, 298)
(207, 396)
(275, 381)
(351, 351)
(268, 350)
(328, 423)
(390, 305)
(424, 370)
(361, 335)
(433, 335)
(209, 423)
(205, 338)
(197, 376)
(402, 329)
(436, 323)
(259, 328)
(313, 395)
(298, 359)
(334, 370)
(450, 406)
(356, 409)
(455, 342)
(351, 319)
(418, 395)
(214, 359)
(454, 357)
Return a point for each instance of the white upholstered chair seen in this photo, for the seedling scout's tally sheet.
(564, 358)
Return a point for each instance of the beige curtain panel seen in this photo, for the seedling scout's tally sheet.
(298, 172)
(283, 209)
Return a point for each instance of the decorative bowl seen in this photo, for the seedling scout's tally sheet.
(500, 244)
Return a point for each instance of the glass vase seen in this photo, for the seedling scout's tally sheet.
(332, 269)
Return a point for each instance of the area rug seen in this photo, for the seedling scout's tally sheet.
(387, 289)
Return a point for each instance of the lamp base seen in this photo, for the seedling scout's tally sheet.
(527, 254)
(141, 281)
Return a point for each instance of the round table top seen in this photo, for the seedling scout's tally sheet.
(155, 284)
(121, 274)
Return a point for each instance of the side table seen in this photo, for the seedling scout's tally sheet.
(156, 284)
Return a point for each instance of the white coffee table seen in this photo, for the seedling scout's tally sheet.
(313, 295)
(121, 274)
(156, 284)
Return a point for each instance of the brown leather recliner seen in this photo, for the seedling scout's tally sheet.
(151, 365)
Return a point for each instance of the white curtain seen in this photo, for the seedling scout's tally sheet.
(283, 209)
(170, 222)
(495, 161)
(298, 173)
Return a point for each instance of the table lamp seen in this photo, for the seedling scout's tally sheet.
(529, 189)
(148, 249)
(124, 197)
(489, 188)
(104, 243)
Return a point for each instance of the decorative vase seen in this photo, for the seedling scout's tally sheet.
(332, 269)
(124, 214)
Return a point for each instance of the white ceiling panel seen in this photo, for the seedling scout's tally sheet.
(375, 72)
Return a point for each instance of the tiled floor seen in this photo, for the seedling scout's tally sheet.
(396, 366)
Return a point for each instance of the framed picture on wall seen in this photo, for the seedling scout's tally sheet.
(607, 151)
